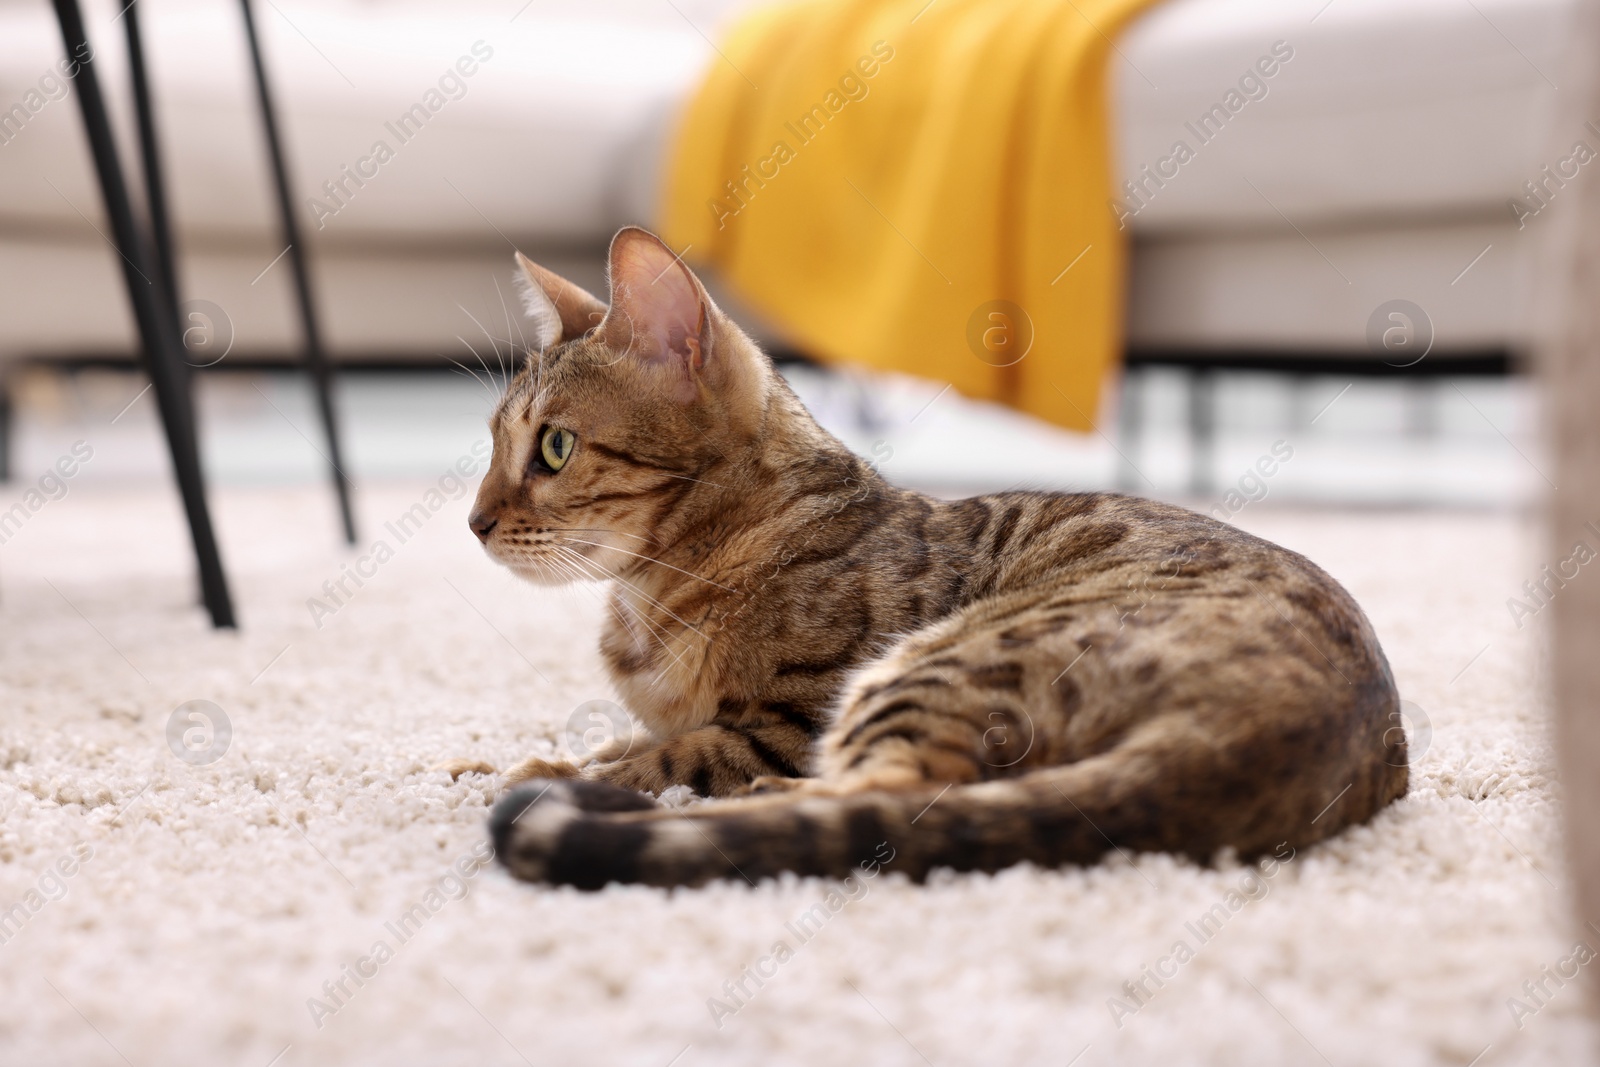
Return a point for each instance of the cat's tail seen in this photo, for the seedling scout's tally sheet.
(587, 834)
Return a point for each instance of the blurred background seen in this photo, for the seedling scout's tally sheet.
(1343, 272)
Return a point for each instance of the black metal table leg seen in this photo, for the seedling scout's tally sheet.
(155, 185)
(316, 356)
(161, 348)
(162, 247)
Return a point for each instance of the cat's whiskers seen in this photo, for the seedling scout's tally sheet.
(596, 529)
(478, 356)
(627, 612)
(627, 619)
(646, 597)
(562, 567)
(455, 371)
(651, 559)
(488, 389)
(580, 569)
(492, 342)
(632, 610)
(575, 574)
(463, 368)
(509, 322)
(653, 629)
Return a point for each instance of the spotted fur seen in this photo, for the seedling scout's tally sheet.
(1016, 677)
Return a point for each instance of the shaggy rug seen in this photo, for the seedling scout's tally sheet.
(273, 875)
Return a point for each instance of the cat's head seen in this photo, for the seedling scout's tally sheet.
(616, 417)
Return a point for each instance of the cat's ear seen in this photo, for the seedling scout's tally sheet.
(560, 310)
(660, 312)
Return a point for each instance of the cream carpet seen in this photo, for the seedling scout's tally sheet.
(210, 907)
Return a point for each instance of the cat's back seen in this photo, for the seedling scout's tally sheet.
(1150, 563)
(1015, 537)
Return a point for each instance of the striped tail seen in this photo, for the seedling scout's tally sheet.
(588, 834)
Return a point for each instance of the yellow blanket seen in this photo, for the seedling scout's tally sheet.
(921, 187)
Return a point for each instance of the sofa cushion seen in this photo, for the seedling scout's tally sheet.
(1382, 108)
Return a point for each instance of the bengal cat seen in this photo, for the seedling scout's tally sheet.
(1017, 677)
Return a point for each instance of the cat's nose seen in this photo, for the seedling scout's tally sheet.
(483, 524)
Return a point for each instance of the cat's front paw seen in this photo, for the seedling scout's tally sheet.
(455, 768)
(770, 783)
(534, 767)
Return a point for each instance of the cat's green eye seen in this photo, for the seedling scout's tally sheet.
(555, 447)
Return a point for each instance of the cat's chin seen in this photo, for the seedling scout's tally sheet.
(530, 569)
(538, 574)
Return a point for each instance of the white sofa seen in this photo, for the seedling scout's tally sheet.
(1379, 164)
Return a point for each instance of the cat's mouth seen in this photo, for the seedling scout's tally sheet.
(544, 562)
(540, 573)
(548, 555)
(539, 567)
